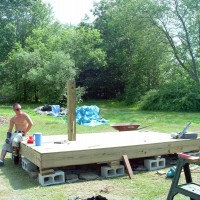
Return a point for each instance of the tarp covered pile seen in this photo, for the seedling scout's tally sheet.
(89, 116)
(52, 110)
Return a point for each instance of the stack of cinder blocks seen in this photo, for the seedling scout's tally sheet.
(57, 177)
(154, 164)
(52, 178)
(113, 170)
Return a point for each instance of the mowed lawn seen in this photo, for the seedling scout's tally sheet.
(15, 182)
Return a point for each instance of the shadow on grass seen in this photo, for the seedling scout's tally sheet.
(19, 179)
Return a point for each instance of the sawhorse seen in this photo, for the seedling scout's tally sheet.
(189, 189)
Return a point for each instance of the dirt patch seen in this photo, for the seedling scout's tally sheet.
(3, 120)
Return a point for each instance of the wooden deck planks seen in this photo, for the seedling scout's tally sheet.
(103, 147)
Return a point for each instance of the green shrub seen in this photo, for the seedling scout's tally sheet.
(172, 97)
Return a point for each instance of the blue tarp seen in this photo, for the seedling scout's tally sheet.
(55, 109)
(89, 116)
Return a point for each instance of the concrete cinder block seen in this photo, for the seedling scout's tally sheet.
(51, 179)
(112, 171)
(154, 164)
(28, 165)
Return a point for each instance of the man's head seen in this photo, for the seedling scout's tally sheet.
(17, 107)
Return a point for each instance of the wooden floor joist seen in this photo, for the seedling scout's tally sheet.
(128, 166)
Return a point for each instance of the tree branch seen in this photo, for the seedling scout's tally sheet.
(194, 66)
(171, 43)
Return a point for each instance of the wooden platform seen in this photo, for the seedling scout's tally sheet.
(90, 148)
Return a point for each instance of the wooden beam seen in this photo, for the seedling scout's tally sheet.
(46, 172)
(71, 107)
(128, 166)
(113, 163)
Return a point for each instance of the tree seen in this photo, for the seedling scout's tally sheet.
(18, 18)
(179, 21)
(133, 47)
(42, 71)
(42, 54)
(50, 57)
(16, 70)
(50, 79)
(89, 57)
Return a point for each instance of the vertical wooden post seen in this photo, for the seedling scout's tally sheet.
(71, 107)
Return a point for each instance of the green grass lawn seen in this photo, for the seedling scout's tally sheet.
(15, 183)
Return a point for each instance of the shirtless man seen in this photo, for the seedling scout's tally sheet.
(23, 124)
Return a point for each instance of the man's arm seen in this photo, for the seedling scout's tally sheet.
(30, 124)
(11, 125)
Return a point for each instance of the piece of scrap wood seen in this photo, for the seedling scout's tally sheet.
(114, 163)
(160, 172)
(46, 172)
(128, 166)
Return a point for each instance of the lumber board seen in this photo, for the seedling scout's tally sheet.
(31, 154)
(128, 166)
(71, 106)
(113, 163)
(46, 172)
